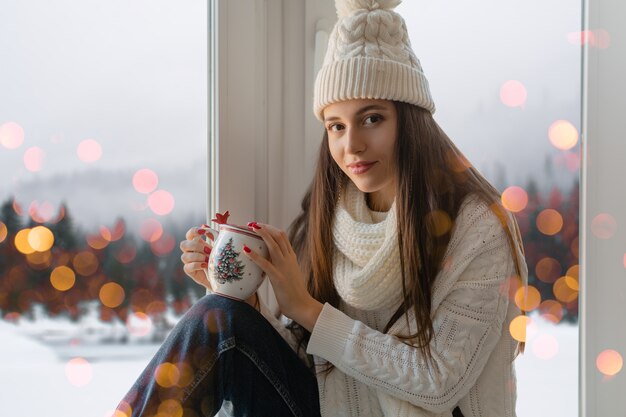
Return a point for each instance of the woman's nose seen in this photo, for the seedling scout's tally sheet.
(354, 141)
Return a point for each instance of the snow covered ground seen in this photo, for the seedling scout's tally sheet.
(88, 381)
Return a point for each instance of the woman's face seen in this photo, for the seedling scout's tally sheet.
(362, 138)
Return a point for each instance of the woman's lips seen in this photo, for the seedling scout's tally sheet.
(361, 169)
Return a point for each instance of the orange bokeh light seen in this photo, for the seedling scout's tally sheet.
(21, 242)
(517, 327)
(548, 269)
(145, 181)
(527, 298)
(112, 294)
(89, 151)
(78, 372)
(565, 289)
(549, 222)
(62, 278)
(439, 222)
(11, 135)
(3, 231)
(40, 238)
(604, 226)
(609, 362)
(167, 375)
(513, 93)
(170, 408)
(33, 159)
(551, 310)
(85, 263)
(563, 135)
(514, 199)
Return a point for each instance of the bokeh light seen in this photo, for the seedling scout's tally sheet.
(62, 278)
(3, 231)
(40, 238)
(21, 242)
(145, 181)
(85, 263)
(609, 362)
(604, 226)
(551, 311)
(39, 260)
(545, 346)
(139, 324)
(565, 289)
(89, 151)
(573, 271)
(123, 410)
(33, 159)
(549, 222)
(126, 254)
(11, 135)
(548, 269)
(167, 375)
(150, 230)
(170, 408)
(78, 372)
(513, 93)
(161, 202)
(563, 135)
(527, 298)
(164, 245)
(517, 327)
(41, 213)
(112, 294)
(514, 199)
(601, 39)
(97, 241)
(439, 222)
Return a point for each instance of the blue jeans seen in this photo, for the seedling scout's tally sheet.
(223, 350)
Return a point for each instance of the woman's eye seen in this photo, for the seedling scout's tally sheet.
(372, 119)
(334, 128)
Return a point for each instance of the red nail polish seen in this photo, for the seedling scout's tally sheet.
(246, 249)
(251, 224)
(207, 250)
(256, 226)
(201, 231)
(204, 265)
(206, 259)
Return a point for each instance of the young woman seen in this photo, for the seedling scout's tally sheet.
(394, 283)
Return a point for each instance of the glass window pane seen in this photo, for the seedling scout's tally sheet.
(506, 79)
(103, 168)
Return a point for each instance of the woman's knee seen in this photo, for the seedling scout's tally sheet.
(223, 315)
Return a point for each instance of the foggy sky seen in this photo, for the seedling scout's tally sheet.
(132, 75)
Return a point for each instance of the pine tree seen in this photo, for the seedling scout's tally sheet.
(10, 218)
(229, 268)
(64, 231)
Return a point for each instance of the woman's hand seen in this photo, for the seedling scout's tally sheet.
(284, 273)
(195, 256)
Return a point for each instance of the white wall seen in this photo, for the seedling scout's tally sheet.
(603, 290)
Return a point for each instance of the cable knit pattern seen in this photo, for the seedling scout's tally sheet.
(366, 260)
(377, 374)
(369, 55)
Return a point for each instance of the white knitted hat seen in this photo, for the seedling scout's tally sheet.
(370, 56)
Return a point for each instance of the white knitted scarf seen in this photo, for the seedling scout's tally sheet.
(366, 261)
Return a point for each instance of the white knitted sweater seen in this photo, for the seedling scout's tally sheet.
(376, 374)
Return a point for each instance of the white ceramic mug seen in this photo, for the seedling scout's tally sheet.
(230, 272)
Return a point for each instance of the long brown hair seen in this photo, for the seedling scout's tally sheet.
(433, 179)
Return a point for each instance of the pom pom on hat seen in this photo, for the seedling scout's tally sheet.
(346, 7)
(369, 56)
